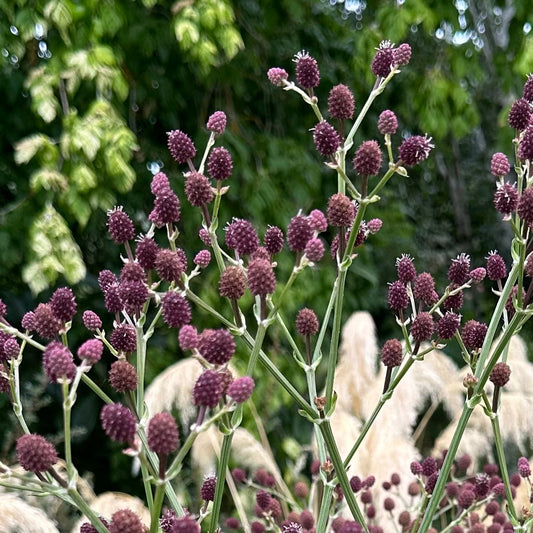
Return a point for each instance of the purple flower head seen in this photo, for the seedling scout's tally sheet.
(91, 351)
(314, 250)
(123, 376)
(176, 309)
(198, 189)
(524, 208)
(367, 160)
(384, 59)
(405, 268)
(298, 233)
(241, 236)
(216, 346)
(217, 122)
(207, 390)
(341, 210)
(392, 353)
(202, 258)
(307, 74)
(160, 186)
(306, 322)
(181, 146)
(120, 225)
(188, 337)
(220, 164)
(318, 221)
(506, 198)
(63, 304)
(387, 122)
(520, 114)
(326, 139)
(341, 102)
(35, 453)
(162, 434)
(273, 240)
(402, 54)
(499, 164)
(241, 389)
(415, 149)
(44, 322)
(277, 76)
(58, 363)
(459, 270)
(118, 422)
(261, 277)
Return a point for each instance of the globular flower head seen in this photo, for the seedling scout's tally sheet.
(216, 346)
(298, 233)
(341, 102)
(506, 198)
(181, 146)
(169, 265)
(217, 122)
(91, 351)
(207, 390)
(306, 322)
(125, 521)
(424, 288)
(133, 295)
(162, 434)
(341, 210)
(185, 524)
(387, 122)
(367, 160)
(3, 309)
(118, 422)
(87, 527)
(496, 268)
(166, 209)
(202, 258)
(106, 279)
(120, 226)
(307, 74)
(466, 498)
(459, 270)
(132, 271)
(318, 221)
(204, 236)
(220, 164)
(44, 321)
(112, 299)
(374, 225)
(405, 268)
(207, 491)
(473, 334)
(314, 250)
(188, 337)
(28, 321)
(277, 76)
(292, 527)
(524, 208)
(123, 338)
(198, 189)
(232, 283)
(528, 266)
(499, 164)
(10, 348)
(123, 376)
(63, 304)
(273, 240)
(524, 470)
(528, 88)
(392, 353)
(326, 138)
(415, 149)
(520, 114)
(383, 60)
(448, 325)
(241, 236)
(241, 389)
(146, 252)
(35, 453)
(422, 327)
(160, 186)
(261, 277)
(176, 309)
(500, 374)
(58, 363)
(525, 146)
(402, 54)
(398, 298)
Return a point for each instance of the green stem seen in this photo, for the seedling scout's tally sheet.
(323, 513)
(222, 467)
(95, 388)
(83, 506)
(141, 364)
(155, 510)
(325, 321)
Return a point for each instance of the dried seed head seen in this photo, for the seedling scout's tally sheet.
(341, 102)
(326, 138)
(217, 122)
(220, 164)
(306, 322)
(118, 422)
(207, 390)
(273, 240)
(307, 74)
(120, 225)
(91, 351)
(277, 76)
(181, 146)
(392, 353)
(500, 374)
(162, 434)
(35, 453)
(261, 278)
(387, 122)
(123, 376)
(241, 389)
(415, 149)
(499, 164)
(367, 160)
(232, 283)
(216, 346)
(520, 114)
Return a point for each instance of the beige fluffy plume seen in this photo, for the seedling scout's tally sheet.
(17, 516)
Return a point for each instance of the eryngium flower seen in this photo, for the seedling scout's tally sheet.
(424, 288)
(44, 322)
(326, 138)
(91, 351)
(500, 374)
(261, 278)
(398, 298)
(219, 164)
(106, 279)
(181, 146)
(524, 470)
(58, 363)
(415, 149)
(176, 309)
(241, 389)
(202, 258)
(277, 76)
(118, 422)
(169, 265)
(318, 221)
(232, 283)
(405, 268)
(453, 301)
(112, 299)
(28, 321)
(207, 389)
(160, 185)
(162, 434)
(216, 346)
(341, 210)
(307, 74)
(383, 60)
(459, 270)
(63, 304)
(473, 334)
(120, 225)
(35, 453)
(520, 114)
(123, 338)
(314, 250)
(217, 122)
(146, 252)
(298, 233)
(185, 524)
(387, 123)
(123, 376)
(392, 353)
(422, 327)
(499, 164)
(478, 274)
(125, 521)
(367, 160)
(506, 198)
(524, 209)
(340, 102)
(525, 146)
(207, 491)
(496, 268)
(198, 189)
(241, 237)
(402, 54)
(306, 322)
(273, 240)
(133, 295)
(448, 325)
(132, 271)
(188, 338)
(166, 208)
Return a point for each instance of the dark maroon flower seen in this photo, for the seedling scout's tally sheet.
(496, 268)
(198, 189)
(392, 353)
(387, 122)
(367, 160)
(28, 321)
(120, 225)
(123, 338)
(133, 295)
(217, 122)
(500, 374)
(207, 389)
(341, 102)
(405, 268)
(525, 146)
(188, 338)
(528, 88)
(35, 453)
(87, 527)
(220, 164)
(106, 279)
(262, 498)
(204, 236)
(58, 363)
(429, 466)
(241, 389)
(277, 76)
(374, 225)
(261, 278)
(473, 334)
(466, 498)
(207, 491)
(422, 327)
(424, 288)
(520, 114)
(112, 299)
(162, 434)
(118, 422)
(341, 210)
(146, 252)
(242, 237)
(176, 309)
(91, 351)
(202, 258)
(524, 209)
(314, 250)
(459, 270)
(448, 325)
(506, 198)
(298, 233)
(326, 138)
(44, 322)
(125, 521)
(499, 164)
(123, 376)
(398, 298)
(453, 301)
(3, 309)
(167, 209)
(415, 149)
(307, 74)
(160, 185)
(524, 470)
(273, 240)
(260, 253)
(318, 221)
(383, 60)
(478, 274)
(180, 145)
(232, 283)
(132, 271)
(169, 265)
(63, 304)
(10, 348)
(402, 54)
(306, 322)
(216, 346)
(185, 524)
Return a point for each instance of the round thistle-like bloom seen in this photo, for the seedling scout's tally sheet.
(260, 253)
(405, 268)
(314, 250)
(106, 279)
(125, 521)
(318, 221)
(506, 198)
(524, 470)
(528, 88)
(132, 271)
(326, 138)
(397, 298)
(162, 434)
(185, 524)
(207, 389)
(232, 523)
(387, 122)
(176, 309)
(10, 348)
(307, 74)
(422, 327)
(87, 527)
(167, 208)
(3, 309)
(160, 185)
(499, 164)
(204, 236)
(118, 422)
(392, 353)
(35, 453)
(216, 346)
(169, 265)
(232, 283)
(528, 266)
(374, 225)
(261, 277)
(478, 274)
(402, 54)
(146, 252)
(123, 338)
(277, 76)
(123, 376)
(496, 268)
(188, 338)
(133, 294)
(424, 288)
(341, 210)
(198, 189)
(202, 258)
(459, 270)
(217, 122)
(466, 498)
(520, 114)
(181, 146)
(341, 102)
(307, 519)
(415, 149)
(207, 491)
(44, 322)
(306, 322)
(58, 363)
(454, 301)
(220, 164)
(525, 147)
(367, 160)
(263, 498)
(120, 226)
(273, 240)
(91, 351)
(298, 233)
(500, 374)
(28, 321)
(448, 325)
(241, 389)
(242, 237)
(383, 60)
(473, 334)
(63, 304)
(112, 299)
(524, 209)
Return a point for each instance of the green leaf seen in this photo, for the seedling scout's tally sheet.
(27, 148)
(49, 180)
(83, 178)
